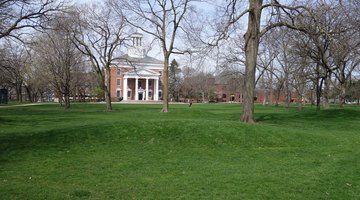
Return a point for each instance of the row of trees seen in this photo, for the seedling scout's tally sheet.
(297, 46)
(66, 54)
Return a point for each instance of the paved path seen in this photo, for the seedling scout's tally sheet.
(22, 105)
(122, 102)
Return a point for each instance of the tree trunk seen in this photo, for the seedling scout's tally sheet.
(264, 100)
(342, 94)
(318, 94)
(300, 103)
(66, 101)
(271, 85)
(165, 107)
(287, 91)
(28, 92)
(107, 90)
(19, 93)
(277, 97)
(326, 93)
(252, 37)
(318, 87)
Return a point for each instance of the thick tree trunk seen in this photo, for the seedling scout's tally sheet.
(28, 92)
(342, 94)
(66, 101)
(326, 93)
(165, 107)
(264, 100)
(287, 91)
(107, 90)
(319, 82)
(19, 93)
(252, 37)
(271, 85)
(61, 101)
(277, 97)
(66, 92)
(300, 103)
(318, 94)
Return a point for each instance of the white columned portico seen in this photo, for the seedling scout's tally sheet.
(147, 90)
(136, 89)
(156, 89)
(125, 89)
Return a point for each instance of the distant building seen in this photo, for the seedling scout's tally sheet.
(227, 89)
(137, 76)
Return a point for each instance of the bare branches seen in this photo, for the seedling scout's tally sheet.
(159, 18)
(22, 15)
(99, 35)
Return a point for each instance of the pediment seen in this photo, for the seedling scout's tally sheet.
(142, 72)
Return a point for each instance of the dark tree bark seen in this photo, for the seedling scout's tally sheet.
(252, 38)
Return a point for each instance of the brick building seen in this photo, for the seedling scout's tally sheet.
(137, 76)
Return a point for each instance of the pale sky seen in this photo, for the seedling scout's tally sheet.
(207, 8)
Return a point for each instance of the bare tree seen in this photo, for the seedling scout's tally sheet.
(345, 51)
(252, 40)
(99, 34)
(14, 62)
(174, 80)
(18, 15)
(162, 20)
(58, 54)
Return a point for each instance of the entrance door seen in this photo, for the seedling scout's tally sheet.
(140, 96)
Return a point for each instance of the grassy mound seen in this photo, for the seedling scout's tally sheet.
(202, 152)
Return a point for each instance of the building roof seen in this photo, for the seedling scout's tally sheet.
(147, 60)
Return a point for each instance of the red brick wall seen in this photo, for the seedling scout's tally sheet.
(131, 84)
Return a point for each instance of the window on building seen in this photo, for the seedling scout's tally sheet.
(118, 93)
(150, 93)
(150, 83)
(118, 81)
(139, 83)
(224, 96)
(118, 72)
(129, 93)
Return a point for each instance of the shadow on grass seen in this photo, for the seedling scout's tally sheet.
(59, 139)
(309, 115)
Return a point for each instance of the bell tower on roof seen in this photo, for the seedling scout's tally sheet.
(137, 49)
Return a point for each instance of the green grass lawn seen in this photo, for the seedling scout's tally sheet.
(202, 152)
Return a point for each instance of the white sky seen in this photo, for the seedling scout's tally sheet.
(203, 7)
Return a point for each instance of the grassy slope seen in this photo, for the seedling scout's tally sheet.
(202, 152)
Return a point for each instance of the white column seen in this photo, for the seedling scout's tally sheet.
(147, 89)
(125, 88)
(136, 89)
(156, 89)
